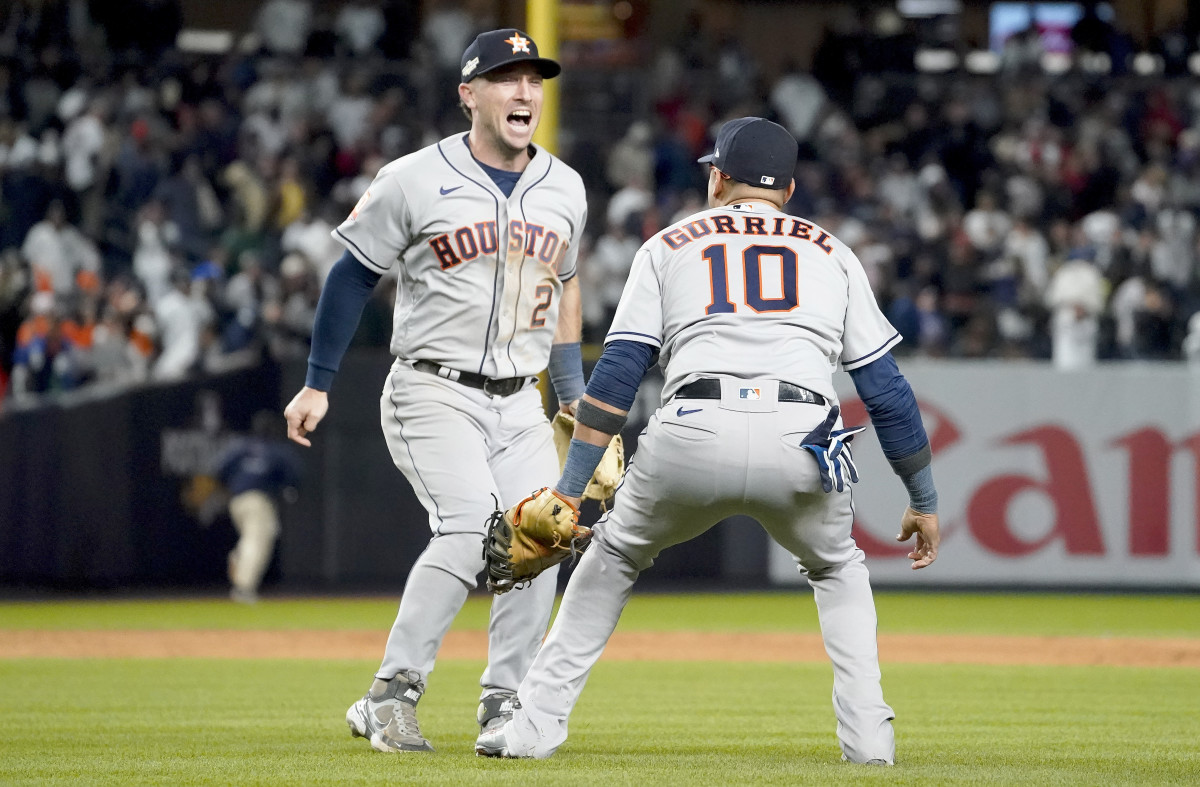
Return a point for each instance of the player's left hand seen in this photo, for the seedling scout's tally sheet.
(304, 412)
(831, 450)
(537, 533)
(925, 526)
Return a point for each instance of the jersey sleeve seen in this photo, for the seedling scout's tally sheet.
(570, 263)
(866, 335)
(639, 316)
(378, 228)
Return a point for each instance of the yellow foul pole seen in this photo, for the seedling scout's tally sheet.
(542, 23)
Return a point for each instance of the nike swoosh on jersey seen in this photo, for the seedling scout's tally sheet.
(446, 191)
(681, 411)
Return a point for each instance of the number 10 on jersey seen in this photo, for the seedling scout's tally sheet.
(718, 269)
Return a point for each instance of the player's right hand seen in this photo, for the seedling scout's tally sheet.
(304, 412)
(926, 528)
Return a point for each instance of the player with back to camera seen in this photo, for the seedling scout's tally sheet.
(751, 311)
(484, 228)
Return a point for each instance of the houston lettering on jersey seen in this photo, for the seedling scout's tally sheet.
(466, 243)
(766, 226)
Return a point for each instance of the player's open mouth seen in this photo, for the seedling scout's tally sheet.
(521, 118)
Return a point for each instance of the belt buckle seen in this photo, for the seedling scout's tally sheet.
(496, 387)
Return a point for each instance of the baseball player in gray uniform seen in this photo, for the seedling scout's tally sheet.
(750, 311)
(484, 228)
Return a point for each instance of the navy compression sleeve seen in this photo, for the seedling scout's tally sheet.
(894, 414)
(614, 381)
(346, 291)
(893, 409)
(619, 372)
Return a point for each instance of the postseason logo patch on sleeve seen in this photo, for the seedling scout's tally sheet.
(359, 205)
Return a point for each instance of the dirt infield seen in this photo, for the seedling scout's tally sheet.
(625, 646)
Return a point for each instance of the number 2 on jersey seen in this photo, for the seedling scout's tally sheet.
(544, 293)
(718, 270)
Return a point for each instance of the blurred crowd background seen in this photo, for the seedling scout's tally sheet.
(166, 201)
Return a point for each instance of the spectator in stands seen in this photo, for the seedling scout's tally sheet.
(607, 267)
(61, 257)
(154, 256)
(1027, 248)
(245, 293)
(191, 205)
(310, 236)
(1191, 342)
(179, 326)
(1076, 298)
(256, 470)
(114, 358)
(288, 198)
(284, 25)
(986, 225)
(137, 170)
(288, 316)
(349, 112)
(359, 25)
(631, 158)
(84, 147)
(44, 359)
(630, 203)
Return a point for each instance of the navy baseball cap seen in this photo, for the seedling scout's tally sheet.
(755, 151)
(497, 48)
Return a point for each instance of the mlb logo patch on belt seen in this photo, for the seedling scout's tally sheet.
(751, 393)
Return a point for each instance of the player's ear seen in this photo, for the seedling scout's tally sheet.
(466, 95)
(791, 189)
(716, 183)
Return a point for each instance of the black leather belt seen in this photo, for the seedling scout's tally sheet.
(710, 388)
(489, 385)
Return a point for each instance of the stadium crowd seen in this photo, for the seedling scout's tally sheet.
(166, 212)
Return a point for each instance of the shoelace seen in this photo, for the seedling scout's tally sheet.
(407, 717)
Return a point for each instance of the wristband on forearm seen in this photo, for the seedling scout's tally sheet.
(566, 371)
(599, 419)
(582, 459)
(922, 494)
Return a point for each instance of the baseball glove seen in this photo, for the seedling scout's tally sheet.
(608, 473)
(537, 533)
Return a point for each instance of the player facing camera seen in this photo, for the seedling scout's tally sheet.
(501, 86)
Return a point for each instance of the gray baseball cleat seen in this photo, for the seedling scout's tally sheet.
(491, 743)
(495, 709)
(387, 715)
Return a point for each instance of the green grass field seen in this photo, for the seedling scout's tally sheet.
(186, 721)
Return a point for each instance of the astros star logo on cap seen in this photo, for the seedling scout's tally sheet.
(519, 43)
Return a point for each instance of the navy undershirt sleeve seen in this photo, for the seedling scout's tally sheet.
(619, 372)
(346, 291)
(893, 410)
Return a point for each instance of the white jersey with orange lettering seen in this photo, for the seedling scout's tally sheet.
(480, 274)
(695, 289)
(752, 310)
(480, 277)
